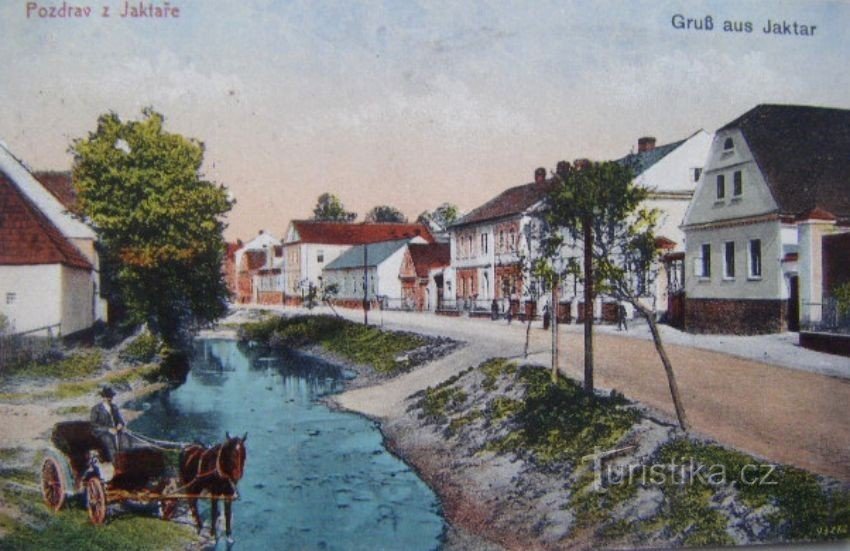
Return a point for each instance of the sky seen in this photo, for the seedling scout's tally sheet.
(405, 103)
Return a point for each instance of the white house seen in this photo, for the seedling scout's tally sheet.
(49, 268)
(776, 180)
(670, 173)
(259, 270)
(310, 245)
(381, 263)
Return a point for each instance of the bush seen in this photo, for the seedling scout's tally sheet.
(142, 349)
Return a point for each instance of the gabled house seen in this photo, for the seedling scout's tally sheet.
(776, 181)
(259, 268)
(49, 267)
(486, 249)
(422, 275)
(670, 173)
(310, 245)
(381, 263)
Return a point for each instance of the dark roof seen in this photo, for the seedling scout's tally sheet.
(426, 257)
(641, 162)
(512, 201)
(375, 254)
(803, 153)
(27, 236)
(346, 233)
(60, 185)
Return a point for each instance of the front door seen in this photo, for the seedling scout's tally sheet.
(794, 304)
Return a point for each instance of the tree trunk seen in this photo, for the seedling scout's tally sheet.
(553, 318)
(527, 336)
(588, 306)
(668, 367)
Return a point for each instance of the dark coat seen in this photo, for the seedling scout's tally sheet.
(101, 419)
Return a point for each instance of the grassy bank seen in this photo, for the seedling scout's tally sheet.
(661, 489)
(387, 352)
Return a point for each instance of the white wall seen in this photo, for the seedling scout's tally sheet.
(38, 295)
(311, 268)
(77, 300)
(756, 198)
(674, 173)
(770, 286)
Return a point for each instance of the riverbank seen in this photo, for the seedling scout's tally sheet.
(36, 396)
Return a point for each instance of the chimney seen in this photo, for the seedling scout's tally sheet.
(540, 175)
(647, 143)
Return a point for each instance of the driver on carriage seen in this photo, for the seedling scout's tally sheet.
(108, 425)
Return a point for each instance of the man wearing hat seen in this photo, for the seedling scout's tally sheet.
(108, 425)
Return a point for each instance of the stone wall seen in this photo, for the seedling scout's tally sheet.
(735, 317)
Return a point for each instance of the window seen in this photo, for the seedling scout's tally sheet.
(697, 174)
(702, 265)
(469, 245)
(721, 186)
(502, 240)
(737, 184)
(755, 258)
(320, 256)
(728, 145)
(729, 260)
(11, 298)
(484, 243)
(512, 240)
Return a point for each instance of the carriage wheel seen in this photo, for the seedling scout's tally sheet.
(96, 499)
(52, 484)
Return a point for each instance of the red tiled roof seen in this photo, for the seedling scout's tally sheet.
(514, 200)
(662, 242)
(231, 248)
(426, 257)
(60, 185)
(344, 233)
(27, 237)
(816, 213)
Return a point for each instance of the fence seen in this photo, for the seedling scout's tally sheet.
(832, 318)
(30, 345)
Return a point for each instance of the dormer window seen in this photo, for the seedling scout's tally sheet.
(728, 145)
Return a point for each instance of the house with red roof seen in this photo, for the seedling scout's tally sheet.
(259, 270)
(49, 267)
(310, 245)
(422, 275)
(775, 185)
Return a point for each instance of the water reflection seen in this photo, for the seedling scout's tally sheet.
(315, 478)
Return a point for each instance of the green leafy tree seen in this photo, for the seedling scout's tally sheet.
(330, 209)
(385, 213)
(441, 217)
(588, 196)
(626, 258)
(159, 223)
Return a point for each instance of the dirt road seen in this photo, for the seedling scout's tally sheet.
(773, 412)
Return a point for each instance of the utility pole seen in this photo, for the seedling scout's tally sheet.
(588, 305)
(365, 284)
(553, 312)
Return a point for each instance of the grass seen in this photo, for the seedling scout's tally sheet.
(76, 365)
(73, 410)
(559, 423)
(142, 349)
(8, 455)
(383, 350)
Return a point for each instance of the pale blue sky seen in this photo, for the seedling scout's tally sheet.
(406, 103)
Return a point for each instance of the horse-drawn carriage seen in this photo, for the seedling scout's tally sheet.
(152, 471)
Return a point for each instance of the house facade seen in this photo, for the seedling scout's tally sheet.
(258, 265)
(776, 181)
(49, 267)
(670, 173)
(422, 275)
(310, 245)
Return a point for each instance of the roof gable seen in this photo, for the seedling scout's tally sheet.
(346, 233)
(41, 198)
(425, 257)
(28, 237)
(803, 153)
(643, 161)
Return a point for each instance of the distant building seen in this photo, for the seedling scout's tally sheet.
(259, 269)
(310, 245)
(422, 275)
(229, 267)
(777, 181)
(49, 266)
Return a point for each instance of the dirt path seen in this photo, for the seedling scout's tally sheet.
(777, 413)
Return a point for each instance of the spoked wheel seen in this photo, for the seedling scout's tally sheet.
(52, 484)
(96, 500)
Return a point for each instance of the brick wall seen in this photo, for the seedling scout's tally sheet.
(269, 297)
(735, 317)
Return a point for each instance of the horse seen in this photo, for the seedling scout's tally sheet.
(215, 470)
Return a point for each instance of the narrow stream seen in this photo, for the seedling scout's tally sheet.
(315, 478)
